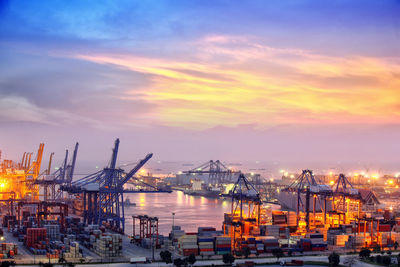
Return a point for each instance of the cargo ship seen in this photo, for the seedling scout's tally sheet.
(198, 188)
(209, 192)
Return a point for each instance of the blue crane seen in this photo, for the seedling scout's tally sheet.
(103, 192)
(217, 172)
(62, 176)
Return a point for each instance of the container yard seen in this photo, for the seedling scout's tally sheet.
(53, 216)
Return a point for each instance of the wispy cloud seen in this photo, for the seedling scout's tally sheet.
(234, 80)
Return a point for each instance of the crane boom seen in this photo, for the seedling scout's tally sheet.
(135, 169)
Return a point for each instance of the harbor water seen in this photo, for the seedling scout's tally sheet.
(191, 212)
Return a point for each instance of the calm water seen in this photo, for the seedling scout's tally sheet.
(190, 211)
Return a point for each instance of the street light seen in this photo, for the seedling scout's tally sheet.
(173, 236)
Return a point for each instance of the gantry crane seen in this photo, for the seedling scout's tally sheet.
(217, 172)
(306, 187)
(103, 192)
(346, 199)
(51, 183)
(245, 211)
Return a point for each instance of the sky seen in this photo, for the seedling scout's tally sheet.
(293, 81)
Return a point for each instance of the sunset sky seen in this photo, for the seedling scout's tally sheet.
(230, 80)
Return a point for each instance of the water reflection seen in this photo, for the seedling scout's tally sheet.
(190, 211)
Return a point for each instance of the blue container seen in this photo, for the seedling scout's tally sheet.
(223, 249)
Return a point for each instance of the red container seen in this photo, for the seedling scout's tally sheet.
(385, 228)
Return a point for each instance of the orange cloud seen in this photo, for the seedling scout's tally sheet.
(239, 80)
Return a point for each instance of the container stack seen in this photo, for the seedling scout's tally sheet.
(206, 245)
(383, 239)
(259, 246)
(176, 233)
(109, 245)
(283, 232)
(53, 232)
(255, 231)
(209, 231)
(340, 240)
(395, 237)
(272, 230)
(279, 218)
(8, 249)
(222, 245)
(384, 228)
(324, 232)
(188, 245)
(332, 233)
(359, 240)
(251, 243)
(305, 244)
(270, 243)
(53, 254)
(291, 218)
(317, 242)
(36, 237)
(68, 239)
(73, 251)
(347, 228)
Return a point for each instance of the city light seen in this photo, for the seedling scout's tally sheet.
(375, 176)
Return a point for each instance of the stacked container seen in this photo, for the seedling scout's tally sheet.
(206, 245)
(53, 254)
(305, 244)
(260, 246)
(317, 242)
(176, 233)
(251, 243)
(188, 245)
(109, 245)
(53, 232)
(279, 218)
(8, 249)
(223, 245)
(270, 242)
(73, 251)
(332, 233)
(291, 218)
(272, 230)
(35, 236)
(360, 240)
(395, 237)
(340, 240)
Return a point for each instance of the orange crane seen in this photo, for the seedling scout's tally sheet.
(20, 177)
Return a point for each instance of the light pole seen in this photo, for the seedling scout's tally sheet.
(173, 236)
